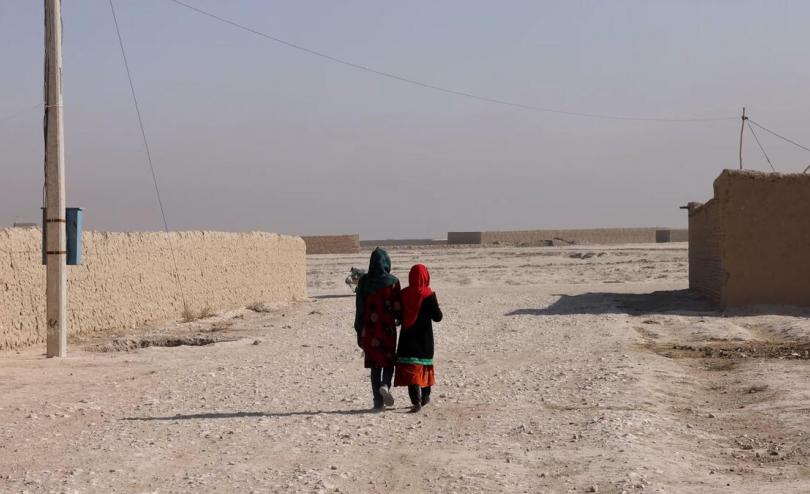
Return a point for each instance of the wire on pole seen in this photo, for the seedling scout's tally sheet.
(781, 136)
(434, 87)
(761, 148)
(742, 128)
(148, 155)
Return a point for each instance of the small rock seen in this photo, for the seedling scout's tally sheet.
(593, 488)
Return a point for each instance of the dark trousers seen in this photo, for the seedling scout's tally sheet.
(419, 396)
(380, 376)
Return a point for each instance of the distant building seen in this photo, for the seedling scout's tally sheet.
(26, 225)
(750, 244)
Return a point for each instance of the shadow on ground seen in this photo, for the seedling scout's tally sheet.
(679, 302)
(237, 415)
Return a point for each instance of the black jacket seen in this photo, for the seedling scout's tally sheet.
(417, 340)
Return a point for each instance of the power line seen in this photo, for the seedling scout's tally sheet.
(434, 87)
(760, 145)
(780, 136)
(148, 154)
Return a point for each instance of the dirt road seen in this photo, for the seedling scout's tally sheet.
(559, 370)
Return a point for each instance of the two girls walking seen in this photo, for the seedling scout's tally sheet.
(381, 305)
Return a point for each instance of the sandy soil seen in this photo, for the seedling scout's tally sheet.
(559, 370)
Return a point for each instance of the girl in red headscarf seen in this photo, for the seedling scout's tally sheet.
(420, 309)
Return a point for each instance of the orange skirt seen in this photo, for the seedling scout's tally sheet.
(414, 374)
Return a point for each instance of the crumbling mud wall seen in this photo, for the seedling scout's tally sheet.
(332, 244)
(128, 279)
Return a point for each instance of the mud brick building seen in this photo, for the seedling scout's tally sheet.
(750, 244)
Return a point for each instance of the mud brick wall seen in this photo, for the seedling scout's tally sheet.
(705, 263)
(750, 244)
(128, 279)
(765, 242)
(332, 244)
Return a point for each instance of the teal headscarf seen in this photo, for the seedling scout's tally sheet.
(378, 277)
(379, 273)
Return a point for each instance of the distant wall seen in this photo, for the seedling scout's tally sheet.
(590, 236)
(464, 238)
(679, 235)
(402, 242)
(332, 244)
(555, 237)
(128, 279)
(672, 235)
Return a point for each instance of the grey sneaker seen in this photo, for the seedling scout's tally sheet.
(387, 397)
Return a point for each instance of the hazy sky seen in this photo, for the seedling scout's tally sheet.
(247, 134)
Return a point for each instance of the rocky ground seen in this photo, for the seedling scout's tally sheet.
(559, 370)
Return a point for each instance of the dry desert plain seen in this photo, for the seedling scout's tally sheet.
(576, 369)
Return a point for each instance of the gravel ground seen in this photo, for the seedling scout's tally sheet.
(559, 370)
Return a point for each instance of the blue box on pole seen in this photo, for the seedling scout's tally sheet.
(44, 237)
(74, 219)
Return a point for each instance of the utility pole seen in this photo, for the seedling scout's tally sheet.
(55, 222)
(742, 127)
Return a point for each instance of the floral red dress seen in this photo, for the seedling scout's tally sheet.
(378, 336)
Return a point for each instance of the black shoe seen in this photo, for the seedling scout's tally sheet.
(415, 409)
(425, 400)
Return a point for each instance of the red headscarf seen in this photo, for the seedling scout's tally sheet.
(418, 290)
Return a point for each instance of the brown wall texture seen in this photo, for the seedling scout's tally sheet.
(127, 279)
(705, 269)
(762, 227)
(332, 244)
